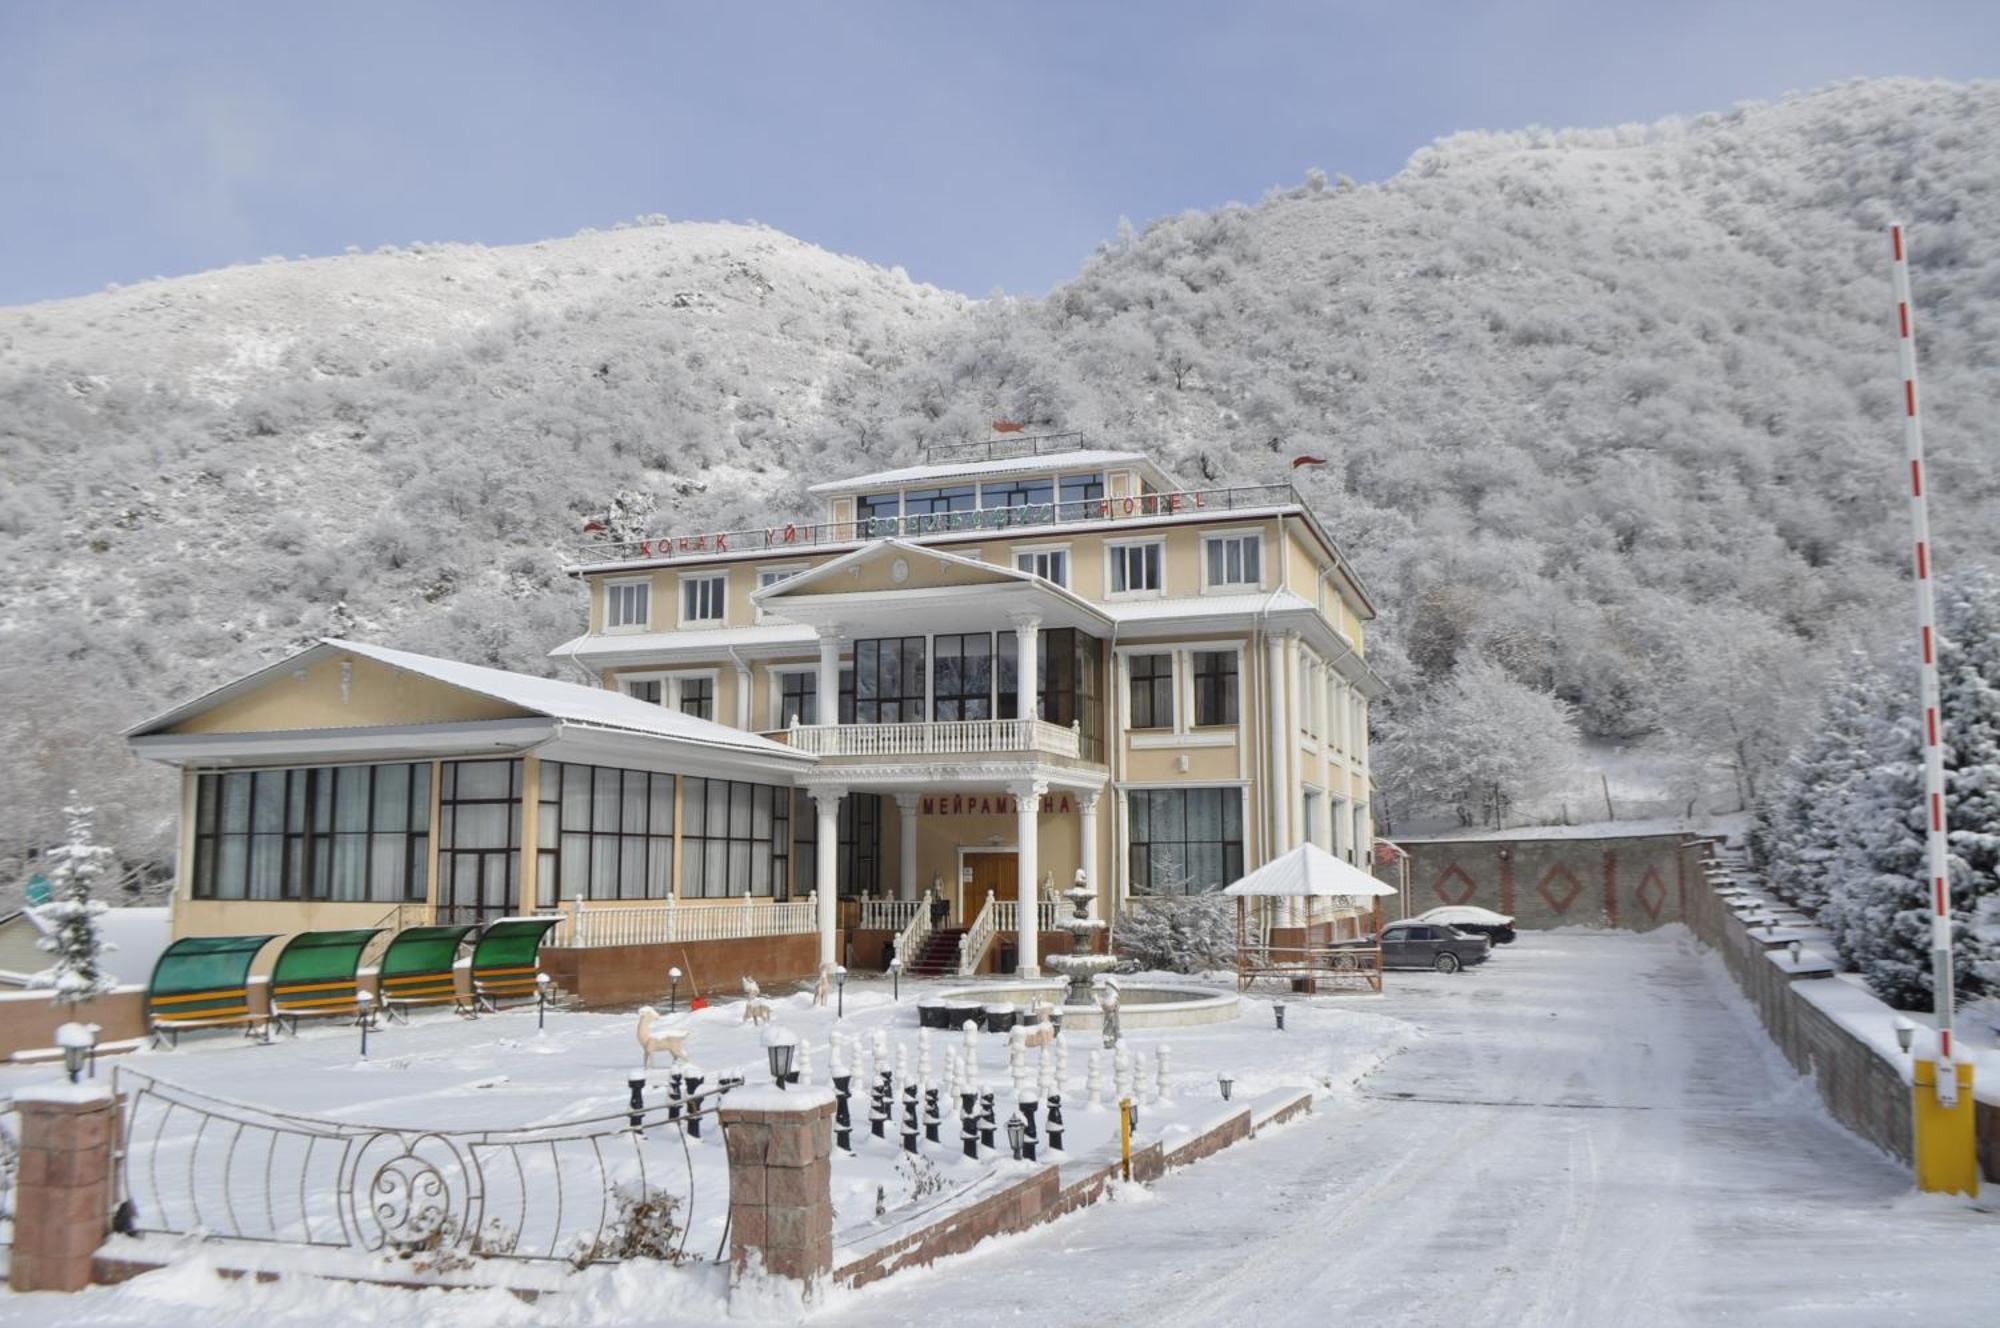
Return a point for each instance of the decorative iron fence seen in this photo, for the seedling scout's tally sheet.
(587, 1191)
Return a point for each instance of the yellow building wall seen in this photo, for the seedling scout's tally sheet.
(376, 694)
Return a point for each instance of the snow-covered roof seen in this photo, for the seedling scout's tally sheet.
(1053, 462)
(702, 641)
(135, 938)
(573, 703)
(1308, 870)
(1147, 610)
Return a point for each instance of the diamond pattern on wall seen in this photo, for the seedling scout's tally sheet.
(1451, 893)
(1559, 888)
(1652, 893)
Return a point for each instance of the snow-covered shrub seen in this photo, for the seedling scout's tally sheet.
(1179, 934)
(1482, 744)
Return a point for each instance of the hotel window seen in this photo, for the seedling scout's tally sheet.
(704, 598)
(1033, 492)
(771, 576)
(1152, 691)
(355, 833)
(1214, 687)
(1185, 841)
(644, 689)
(604, 833)
(1068, 664)
(1048, 564)
(877, 512)
(1082, 496)
(798, 691)
(858, 868)
(1136, 568)
(962, 682)
(735, 838)
(1234, 561)
(940, 509)
(889, 680)
(479, 839)
(696, 696)
(628, 605)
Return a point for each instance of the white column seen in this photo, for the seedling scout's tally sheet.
(743, 696)
(1027, 867)
(827, 705)
(826, 865)
(1086, 813)
(1027, 665)
(1278, 739)
(906, 861)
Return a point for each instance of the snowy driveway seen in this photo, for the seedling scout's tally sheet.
(1593, 1131)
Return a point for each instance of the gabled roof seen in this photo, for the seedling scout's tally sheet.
(569, 702)
(972, 591)
(1051, 463)
(1308, 870)
(972, 570)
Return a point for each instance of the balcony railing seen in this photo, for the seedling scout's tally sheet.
(924, 525)
(887, 914)
(945, 737)
(663, 921)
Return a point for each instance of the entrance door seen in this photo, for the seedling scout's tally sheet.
(989, 871)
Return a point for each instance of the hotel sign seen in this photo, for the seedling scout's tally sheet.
(989, 804)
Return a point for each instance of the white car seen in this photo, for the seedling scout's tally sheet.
(1496, 927)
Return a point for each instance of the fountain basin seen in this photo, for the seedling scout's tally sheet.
(1141, 1005)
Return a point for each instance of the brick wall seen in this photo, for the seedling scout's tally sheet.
(625, 974)
(1634, 882)
(28, 1021)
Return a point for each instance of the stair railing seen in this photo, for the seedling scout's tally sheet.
(972, 945)
(916, 932)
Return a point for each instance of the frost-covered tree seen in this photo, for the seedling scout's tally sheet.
(1802, 827)
(1180, 933)
(1482, 744)
(1878, 897)
(76, 867)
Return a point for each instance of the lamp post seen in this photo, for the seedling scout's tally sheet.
(364, 1004)
(1226, 1083)
(780, 1052)
(1017, 1132)
(840, 988)
(896, 979)
(673, 989)
(1278, 1013)
(77, 1041)
(541, 1001)
(1906, 1033)
(635, 1080)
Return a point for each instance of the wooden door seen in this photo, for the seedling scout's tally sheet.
(990, 871)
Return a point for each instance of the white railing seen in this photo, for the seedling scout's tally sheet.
(909, 942)
(1008, 914)
(948, 737)
(887, 914)
(972, 945)
(665, 921)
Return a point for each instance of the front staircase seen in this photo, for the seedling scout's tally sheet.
(939, 955)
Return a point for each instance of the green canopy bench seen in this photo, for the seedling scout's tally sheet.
(204, 982)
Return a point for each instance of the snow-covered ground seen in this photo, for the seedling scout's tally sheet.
(1589, 1130)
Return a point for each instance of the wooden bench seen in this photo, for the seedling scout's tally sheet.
(317, 975)
(504, 962)
(419, 968)
(204, 982)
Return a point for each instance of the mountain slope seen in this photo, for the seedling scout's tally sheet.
(1613, 408)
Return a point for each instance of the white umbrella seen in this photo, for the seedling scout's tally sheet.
(1308, 870)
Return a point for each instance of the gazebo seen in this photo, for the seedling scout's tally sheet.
(1267, 949)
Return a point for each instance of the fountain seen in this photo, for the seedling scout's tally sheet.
(1079, 966)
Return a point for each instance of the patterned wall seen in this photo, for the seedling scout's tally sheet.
(1636, 882)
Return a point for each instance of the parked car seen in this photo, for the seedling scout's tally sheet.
(1414, 943)
(1495, 927)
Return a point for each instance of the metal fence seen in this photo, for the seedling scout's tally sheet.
(582, 1192)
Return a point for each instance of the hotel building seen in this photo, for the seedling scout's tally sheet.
(897, 729)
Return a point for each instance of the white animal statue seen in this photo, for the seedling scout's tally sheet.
(756, 1010)
(825, 983)
(1043, 1032)
(653, 1040)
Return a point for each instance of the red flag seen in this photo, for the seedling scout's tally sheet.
(1308, 461)
(1008, 426)
(593, 527)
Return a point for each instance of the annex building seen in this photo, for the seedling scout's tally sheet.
(897, 727)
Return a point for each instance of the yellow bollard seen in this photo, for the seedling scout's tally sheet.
(1125, 1135)
(1946, 1140)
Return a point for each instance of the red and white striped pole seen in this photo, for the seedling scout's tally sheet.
(1920, 529)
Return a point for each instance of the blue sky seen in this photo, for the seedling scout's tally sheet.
(982, 147)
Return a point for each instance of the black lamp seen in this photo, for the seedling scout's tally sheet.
(1017, 1133)
(1227, 1084)
(541, 1000)
(780, 1051)
(1278, 1013)
(896, 979)
(76, 1041)
(840, 986)
(673, 989)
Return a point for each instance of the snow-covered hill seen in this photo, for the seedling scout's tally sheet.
(1612, 408)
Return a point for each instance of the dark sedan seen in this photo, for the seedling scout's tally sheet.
(1419, 944)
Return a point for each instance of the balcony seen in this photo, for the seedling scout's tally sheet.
(959, 737)
(794, 536)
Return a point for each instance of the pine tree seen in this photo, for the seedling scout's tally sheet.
(1800, 828)
(1878, 904)
(75, 868)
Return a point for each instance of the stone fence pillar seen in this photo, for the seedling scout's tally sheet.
(780, 1183)
(63, 1189)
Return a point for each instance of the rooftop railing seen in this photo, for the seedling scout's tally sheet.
(800, 536)
(1005, 448)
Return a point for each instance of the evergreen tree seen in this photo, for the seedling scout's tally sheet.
(1878, 900)
(1801, 827)
(75, 868)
